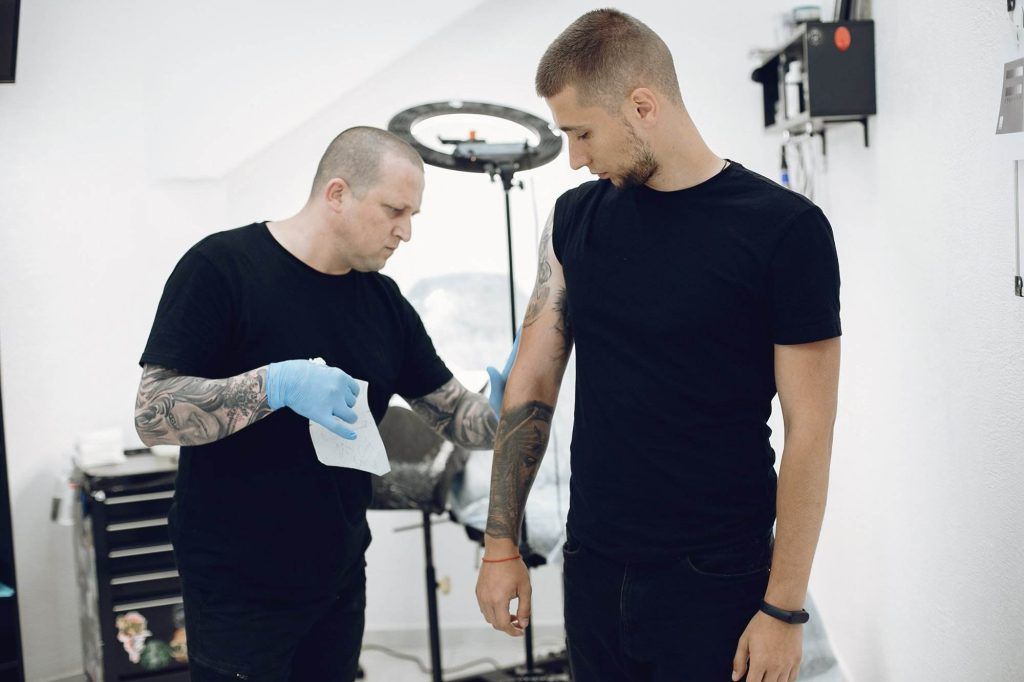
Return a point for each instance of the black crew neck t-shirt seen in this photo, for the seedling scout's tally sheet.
(257, 510)
(676, 300)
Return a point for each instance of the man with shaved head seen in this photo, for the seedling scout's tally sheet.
(693, 290)
(269, 542)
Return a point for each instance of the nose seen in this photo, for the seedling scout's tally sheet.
(577, 159)
(403, 230)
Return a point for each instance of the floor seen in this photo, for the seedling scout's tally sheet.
(459, 649)
(476, 650)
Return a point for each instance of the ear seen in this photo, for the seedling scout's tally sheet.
(644, 106)
(336, 192)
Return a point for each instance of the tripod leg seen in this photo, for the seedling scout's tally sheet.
(435, 630)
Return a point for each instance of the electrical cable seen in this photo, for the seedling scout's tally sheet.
(426, 669)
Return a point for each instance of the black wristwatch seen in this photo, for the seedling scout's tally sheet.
(792, 617)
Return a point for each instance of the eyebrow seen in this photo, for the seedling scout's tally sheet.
(402, 207)
(570, 129)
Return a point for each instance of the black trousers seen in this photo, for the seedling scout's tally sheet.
(278, 639)
(675, 620)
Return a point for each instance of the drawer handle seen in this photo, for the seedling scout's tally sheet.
(144, 497)
(134, 525)
(143, 577)
(151, 604)
(138, 551)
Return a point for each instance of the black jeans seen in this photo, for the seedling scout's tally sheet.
(263, 639)
(676, 620)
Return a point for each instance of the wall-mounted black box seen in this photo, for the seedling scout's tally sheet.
(837, 75)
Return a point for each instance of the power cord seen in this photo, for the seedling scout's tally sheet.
(424, 668)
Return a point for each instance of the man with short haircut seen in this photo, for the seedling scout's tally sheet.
(693, 290)
(270, 542)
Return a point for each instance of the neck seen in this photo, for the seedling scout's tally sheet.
(684, 160)
(307, 236)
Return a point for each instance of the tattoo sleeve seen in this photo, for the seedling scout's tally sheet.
(521, 440)
(542, 288)
(463, 417)
(183, 410)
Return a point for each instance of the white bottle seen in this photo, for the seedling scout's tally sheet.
(794, 89)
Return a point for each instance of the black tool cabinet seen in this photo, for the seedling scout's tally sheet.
(132, 616)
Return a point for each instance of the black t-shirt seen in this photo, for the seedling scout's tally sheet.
(676, 300)
(257, 510)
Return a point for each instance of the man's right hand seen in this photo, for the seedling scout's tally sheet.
(325, 395)
(496, 586)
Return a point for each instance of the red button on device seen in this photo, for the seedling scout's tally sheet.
(843, 38)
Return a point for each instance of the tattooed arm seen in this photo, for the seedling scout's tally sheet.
(521, 439)
(182, 410)
(463, 417)
(530, 396)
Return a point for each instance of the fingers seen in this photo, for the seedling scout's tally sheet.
(344, 413)
(525, 603)
(793, 674)
(739, 661)
(512, 356)
(337, 427)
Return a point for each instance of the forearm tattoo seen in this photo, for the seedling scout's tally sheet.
(521, 440)
(463, 417)
(182, 410)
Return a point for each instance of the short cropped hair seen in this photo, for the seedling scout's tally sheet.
(355, 155)
(605, 55)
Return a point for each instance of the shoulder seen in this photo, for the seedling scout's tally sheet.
(224, 248)
(586, 193)
(766, 200)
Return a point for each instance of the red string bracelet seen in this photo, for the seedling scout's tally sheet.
(498, 561)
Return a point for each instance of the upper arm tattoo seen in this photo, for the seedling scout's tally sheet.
(542, 288)
(183, 410)
(463, 417)
(550, 291)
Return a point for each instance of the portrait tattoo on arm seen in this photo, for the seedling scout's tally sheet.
(183, 410)
(521, 440)
(459, 415)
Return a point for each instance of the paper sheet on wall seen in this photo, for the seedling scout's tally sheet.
(365, 453)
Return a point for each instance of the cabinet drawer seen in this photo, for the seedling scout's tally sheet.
(141, 559)
(142, 586)
(152, 531)
(137, 506)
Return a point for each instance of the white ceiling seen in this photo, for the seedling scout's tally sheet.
(227, 78)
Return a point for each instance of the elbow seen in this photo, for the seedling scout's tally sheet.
(146, 437)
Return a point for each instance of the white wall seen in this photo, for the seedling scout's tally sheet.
(919, 527)
(922, 548)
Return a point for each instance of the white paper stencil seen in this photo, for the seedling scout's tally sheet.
(365, 453)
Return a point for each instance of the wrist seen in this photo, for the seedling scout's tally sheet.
(275, 393)
(790, 616)
(497, 548)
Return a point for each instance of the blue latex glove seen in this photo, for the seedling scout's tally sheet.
(325, 395)
(498, 379)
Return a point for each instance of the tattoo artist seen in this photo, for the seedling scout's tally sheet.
(269, 542)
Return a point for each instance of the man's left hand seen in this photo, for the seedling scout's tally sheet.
(773, 648)
(498, 379)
